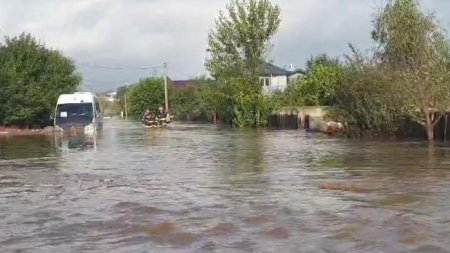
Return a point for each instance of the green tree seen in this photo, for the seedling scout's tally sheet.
(237, 49)
(147, 92)
(31, 79)
(365, 100)
(321, 59)
(412, 45)
(184, 103)
(318, 86)
(207, 97)
(198, 101)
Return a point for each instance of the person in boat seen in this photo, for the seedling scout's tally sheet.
(148, 118)
(163, 117)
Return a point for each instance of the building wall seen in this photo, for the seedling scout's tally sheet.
(109, 98)
(315, 114)
(277, 83)
(294, 77)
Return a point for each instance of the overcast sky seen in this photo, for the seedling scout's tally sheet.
(146, 33)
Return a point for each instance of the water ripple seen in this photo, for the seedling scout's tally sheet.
(201, 188)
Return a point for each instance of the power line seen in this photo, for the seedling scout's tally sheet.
(118, 67)
(105, 82)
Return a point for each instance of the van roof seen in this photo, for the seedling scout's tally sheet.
(76, 98)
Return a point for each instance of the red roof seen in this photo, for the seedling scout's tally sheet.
(179, 84)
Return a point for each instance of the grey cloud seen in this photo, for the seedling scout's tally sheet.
(147, 33)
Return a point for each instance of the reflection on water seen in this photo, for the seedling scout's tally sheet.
(240, 157)
(26, 147)
(79, 142)
(199, 188)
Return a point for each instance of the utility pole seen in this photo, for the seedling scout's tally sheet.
(166, 99)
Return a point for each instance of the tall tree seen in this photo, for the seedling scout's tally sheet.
(197, 101)
(237, 49)
(413, 46)
(147, 92)
(365, 99)
(31, 79)
(318, 85)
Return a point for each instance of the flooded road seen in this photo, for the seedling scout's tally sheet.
(198, 188)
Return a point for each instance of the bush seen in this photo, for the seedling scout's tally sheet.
(253, 109)
(318, 86)
(31, 79)
(365, 102)
(147, 92)
(196, 102)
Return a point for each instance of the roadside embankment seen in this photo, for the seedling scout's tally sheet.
(17, 131)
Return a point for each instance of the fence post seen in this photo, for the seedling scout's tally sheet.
(307, 122)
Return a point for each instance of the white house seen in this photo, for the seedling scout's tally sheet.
(276, 78)
(110, 96)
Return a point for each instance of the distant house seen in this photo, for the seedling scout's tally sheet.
(276, 78)
(273, 79)
(109, 96)
(180, 84)
(295, 74)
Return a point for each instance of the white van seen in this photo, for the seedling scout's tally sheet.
(78, 112)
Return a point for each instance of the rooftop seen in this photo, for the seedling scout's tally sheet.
(270, 69)
(180, 83)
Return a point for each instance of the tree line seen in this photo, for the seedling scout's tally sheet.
(405, 76)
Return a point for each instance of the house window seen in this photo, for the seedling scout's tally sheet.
(264, 81)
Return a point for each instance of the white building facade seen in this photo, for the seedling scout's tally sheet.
(276, 79)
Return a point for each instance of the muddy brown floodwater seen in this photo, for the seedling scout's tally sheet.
(198, 188)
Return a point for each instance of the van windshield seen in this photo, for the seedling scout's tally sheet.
(74, 113)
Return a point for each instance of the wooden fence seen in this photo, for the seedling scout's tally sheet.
(284, 121)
